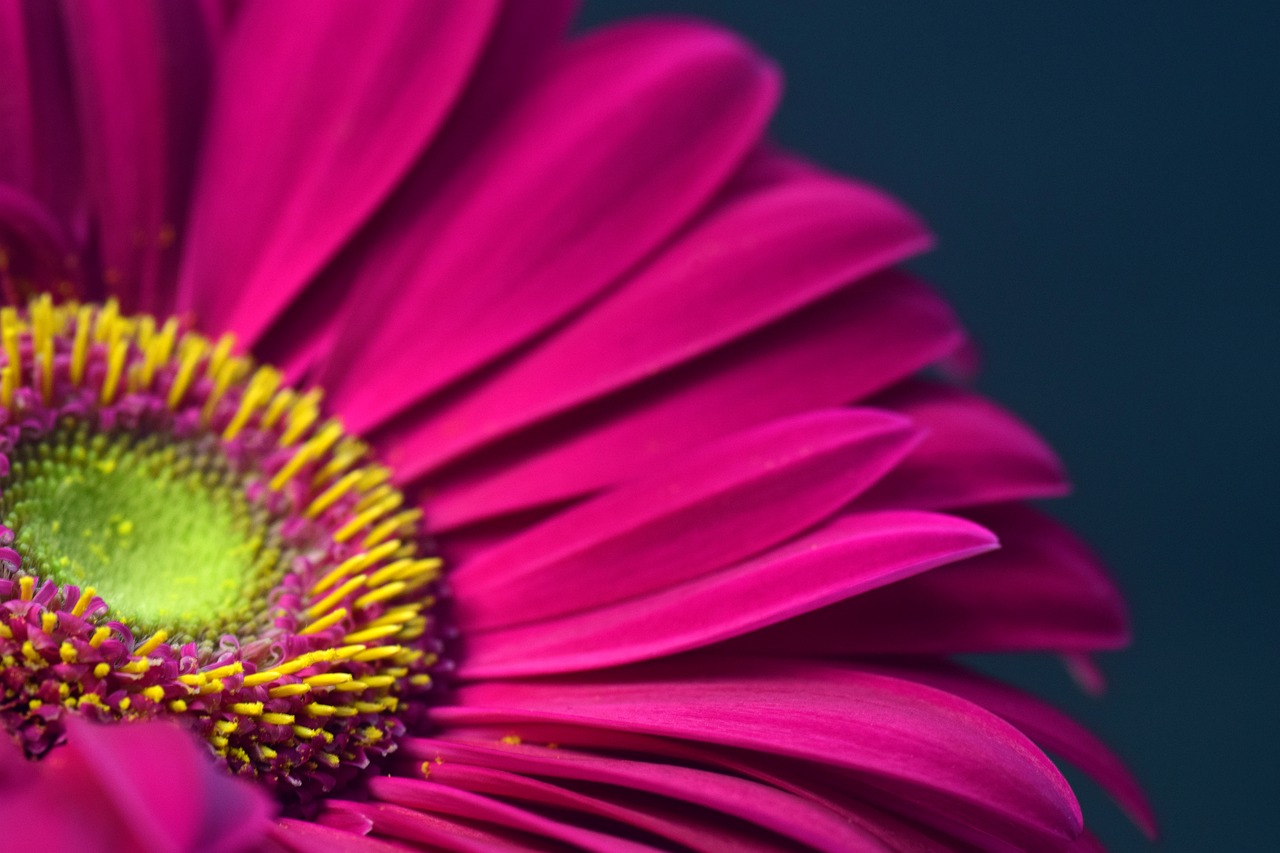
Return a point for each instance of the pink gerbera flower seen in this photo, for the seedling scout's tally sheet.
(475, 438)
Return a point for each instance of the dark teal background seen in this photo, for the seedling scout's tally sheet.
(1102, 180)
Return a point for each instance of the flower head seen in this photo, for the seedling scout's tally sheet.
(475, 437)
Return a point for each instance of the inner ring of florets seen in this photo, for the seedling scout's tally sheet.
(184, 536)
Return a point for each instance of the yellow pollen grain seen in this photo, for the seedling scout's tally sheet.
(275, 719)
(101, 670)
(48, 622)
(26, 587)
(384, 593)
(263, 677)
(331, 495)
(355, 564)
(305, 733)
(369, 516)
(80, 345)
(368, 634)
(115, 366)
(227, 727)
(100, 636)
(348, 452)
(234, 668)
(325, 622)
(378, 653)
(178, 706)
(352, 687)
(286, 690)
(67, 652)
(316, 709)
(155, 693)
(29, 652)
(82, 603)
(247, 709)
(396, 523)
(398, 616)
(378, 680)
(328, 679)
(194, 679)
(136, 667)
(301, 416)
(152, 643)
(189, 359)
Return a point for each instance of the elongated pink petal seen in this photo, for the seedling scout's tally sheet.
(298, 158)
(142, 74)
(39, 136)
(766, 249)
(303, 836)
(730, 500)
(461, 803)
(414, 829)
(687, 827)
(849, 556)
(1048, 727)
(796, 777)
(627, 137)
(973, 453)
(928, 750)
(782, 812)
(525, 39)
(1043, 590)
(889, 327)
(138, 786)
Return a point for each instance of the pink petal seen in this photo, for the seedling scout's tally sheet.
(844, 558)
(435, 832)
(922, 749)
(304, 836)
(443, 799)
(730, 500)
(319, 111)
(524, 40)
(628, 135)
(839, 350)
(688, 827)
(39, 139)
(1048, 727)
(973, 453)
(1043, 590)
(785, 813)
(766, 249)
(142, 75)
(135, 786)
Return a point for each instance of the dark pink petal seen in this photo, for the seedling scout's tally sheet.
(524, 40)
(39, 139)
(973, 453)
(320, 109)
(443, 799)
(799, 778)
(136, 786)
(142, 75)
(36, 248)
(1043, 590)
(436, 832)
(626, 137)
(925, 750)
(839, 350)
(844, 558)
(784, 813)
(1051, 729)
(688, 827)
(721, 504)
(766, 249)
(302, 836)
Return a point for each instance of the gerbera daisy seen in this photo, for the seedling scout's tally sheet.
(419, 428)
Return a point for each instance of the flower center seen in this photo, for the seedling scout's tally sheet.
(165, 527)
(182, 535)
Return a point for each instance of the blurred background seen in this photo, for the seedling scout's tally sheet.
(1102, 181)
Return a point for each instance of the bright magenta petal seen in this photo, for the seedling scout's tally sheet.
(844, 558)
(142, 72)
(734, 498)
(320, 109)
(627, 136)
(923, 749)
(890, 326)
(712, 285)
